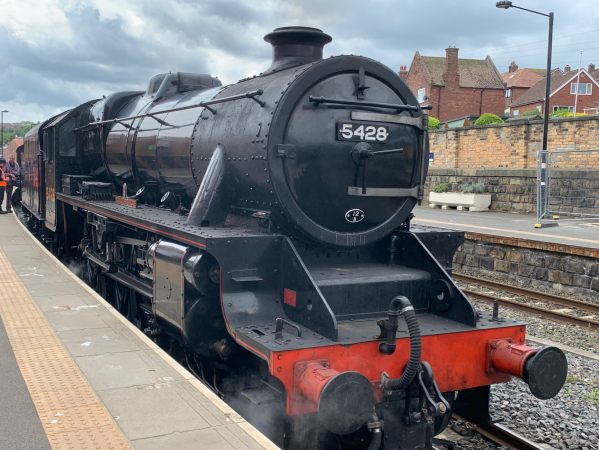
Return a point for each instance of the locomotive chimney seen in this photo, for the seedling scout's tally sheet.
(293, 46)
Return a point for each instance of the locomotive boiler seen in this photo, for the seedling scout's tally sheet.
(262, 232)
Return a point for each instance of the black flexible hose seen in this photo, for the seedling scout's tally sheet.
(377, 433)
(401, 305)
(377, 438)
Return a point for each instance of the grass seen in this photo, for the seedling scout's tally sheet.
(593, 396)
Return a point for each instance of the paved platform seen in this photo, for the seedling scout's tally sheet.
(77, 375)
(519, 226)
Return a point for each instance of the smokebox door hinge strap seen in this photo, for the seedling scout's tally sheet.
(383, 192)
(361, 88)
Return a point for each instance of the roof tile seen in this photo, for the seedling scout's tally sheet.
(474, 73)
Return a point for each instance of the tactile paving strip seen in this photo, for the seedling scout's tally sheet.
(70, 412)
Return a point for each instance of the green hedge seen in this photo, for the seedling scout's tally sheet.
(564, 113)
(487, 119)
(433, 123)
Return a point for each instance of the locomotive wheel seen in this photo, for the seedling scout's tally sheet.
(121, 298)
(91, 275)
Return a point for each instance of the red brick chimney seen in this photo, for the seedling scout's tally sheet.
(451, 77)
(513, 67)
(591, 68)
(403, 72)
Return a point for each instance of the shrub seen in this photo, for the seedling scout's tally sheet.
(442, 187)
(487, 119)
(433, 123)
(564, 113)
(531, 114)
(473, 188)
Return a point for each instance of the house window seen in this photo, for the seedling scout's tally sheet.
(563, 108)
(539, 108)
(516, 112)
(583, 88)
(508, 93)
(421, 94)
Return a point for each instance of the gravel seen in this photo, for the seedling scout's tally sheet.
(565, 333)
(568, 421)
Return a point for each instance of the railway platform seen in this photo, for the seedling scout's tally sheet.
(77, 375)
(573, 237)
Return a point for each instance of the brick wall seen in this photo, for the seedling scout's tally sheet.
(458, 102)
(515, 146)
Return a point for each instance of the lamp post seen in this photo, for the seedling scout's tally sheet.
(542, 168)
(2, 132)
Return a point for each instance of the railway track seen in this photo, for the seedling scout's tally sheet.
(590, 320)
(507, 438)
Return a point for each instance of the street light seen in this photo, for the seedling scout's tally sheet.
(542, 174)
(2, 132)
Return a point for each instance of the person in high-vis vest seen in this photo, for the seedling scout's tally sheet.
(2, 185)
(11, 175)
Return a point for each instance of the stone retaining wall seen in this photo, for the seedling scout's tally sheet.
(533, 268)
(514, 190)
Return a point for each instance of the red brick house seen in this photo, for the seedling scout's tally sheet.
(456, 87)
(563, 93)
(518, 81)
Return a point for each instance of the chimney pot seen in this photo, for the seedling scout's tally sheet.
(513, 67)
(403, 72)
(567, 68)
(591, 68)
(293, 46)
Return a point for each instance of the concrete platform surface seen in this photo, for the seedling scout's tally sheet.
(521, 226)
(76, 374)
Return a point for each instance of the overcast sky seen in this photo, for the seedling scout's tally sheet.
(55, 54)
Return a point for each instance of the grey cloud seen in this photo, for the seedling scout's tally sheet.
(105, 56)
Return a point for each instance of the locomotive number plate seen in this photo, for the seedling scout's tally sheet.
(362, 131)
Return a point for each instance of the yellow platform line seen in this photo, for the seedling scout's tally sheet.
(70, 412)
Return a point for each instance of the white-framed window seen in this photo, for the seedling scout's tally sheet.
(508, 93)
(583, 88)
(516, 112)
(421, 94)
(563, 108)
(539, 108)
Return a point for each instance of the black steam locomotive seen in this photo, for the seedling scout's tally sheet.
(261, 231)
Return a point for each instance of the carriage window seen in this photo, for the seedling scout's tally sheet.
(66, 140)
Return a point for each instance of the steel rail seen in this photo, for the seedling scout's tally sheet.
(502, 435)
(561, 317)
(541, 296)
(508, 438)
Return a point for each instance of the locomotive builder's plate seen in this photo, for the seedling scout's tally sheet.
(362, 131)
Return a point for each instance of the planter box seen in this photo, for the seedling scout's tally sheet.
(460, 201)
